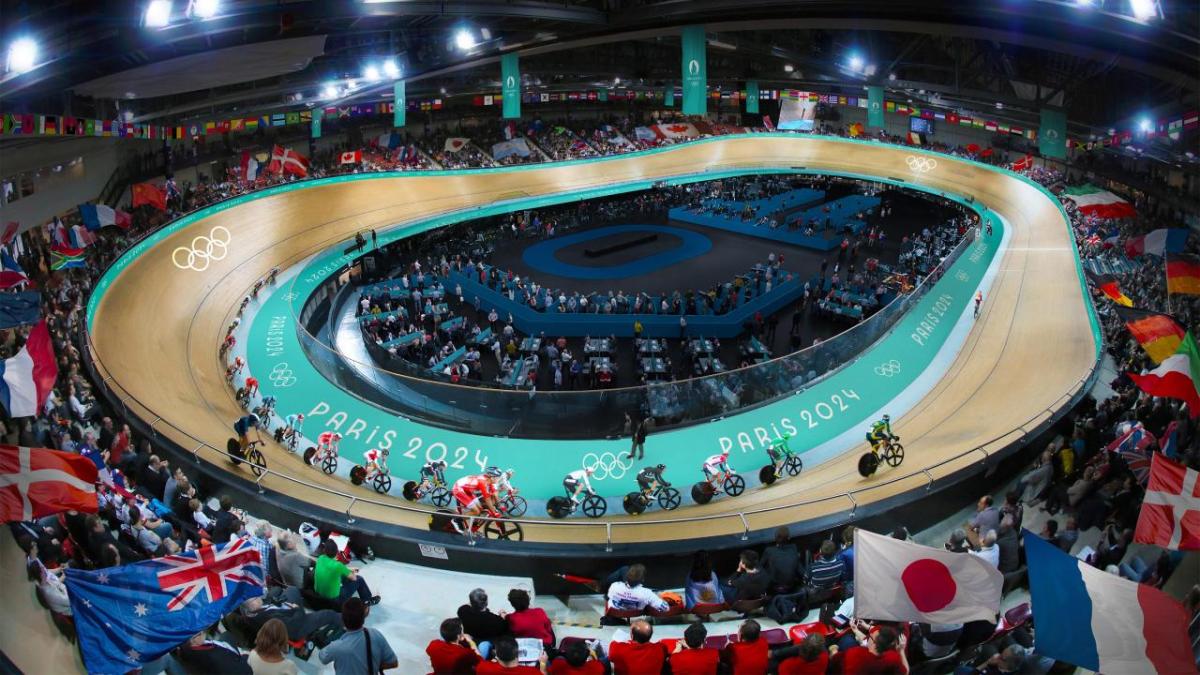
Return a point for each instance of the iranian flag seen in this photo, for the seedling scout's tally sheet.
(1178, 376)
(1093, 201)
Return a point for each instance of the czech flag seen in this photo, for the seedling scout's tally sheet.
(27, 378)
(1101, 622)
(1178, 376)
(1159, 242)
(1109, 286)
(1183, 274)
(1157, 333)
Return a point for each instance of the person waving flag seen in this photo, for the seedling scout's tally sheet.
(1177, 377)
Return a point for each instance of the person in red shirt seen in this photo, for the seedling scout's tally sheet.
(506, 661)
(750, 654)
(455, 653)
(694, 658)
(641, 656)
(526, 622)
(807, 658)
(579, 658)
(884, 653)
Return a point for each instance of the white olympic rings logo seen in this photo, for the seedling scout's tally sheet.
(962, 276)
(281, 375)
(204, 249)
(888, 369)
(606, 465)
(920, 164)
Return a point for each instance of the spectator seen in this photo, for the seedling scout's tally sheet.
(360, 651)
(933, 641)
(987, 516)
(333, 580)
(270, 649)
(630, 595)
(702, 586)
(202, 655)
(846, 555)
(640, 655)
(807, 658)
(1009, 545)
(691, 657)
(224, 522)
(292, 561)
(747, 583)
(506, 662)
(1069, 535)
(579, 658)
(455, 652)
(883, 653)
(988, 549)
(781, 562)
(958, 542)
(529, 622)
(481, 623)
(153, 479)
(750, 654)
(824, 573)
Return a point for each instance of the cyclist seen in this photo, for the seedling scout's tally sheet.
(881, 430)
(432, 474)
(473, 494)
(576, 482)
(650, 479)
(716, 467)
(251, 384)
(504, 483)
(376, 462)
(778, 454)
(327, 444)
(294, 424)
(242, 428)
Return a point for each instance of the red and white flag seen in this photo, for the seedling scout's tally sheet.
(1170, 516)
(9, 233)
(286, 160)
(898, 581)
(36, 482)
(354, 157)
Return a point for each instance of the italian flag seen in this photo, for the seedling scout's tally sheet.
(1093, 201)
(1178, 376)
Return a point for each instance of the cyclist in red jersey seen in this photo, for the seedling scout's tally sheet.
(475, 493)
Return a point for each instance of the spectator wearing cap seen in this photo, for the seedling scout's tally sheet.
(750, 655)
(691, 657)
(506, 662)
(360, 650)
(481, 623)
(639, 655)
(455, 652)
(528, 622)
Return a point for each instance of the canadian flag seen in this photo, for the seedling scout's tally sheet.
(354, 157)
(1170, 516)
(36, 482)
(898, 581)
(286, 160)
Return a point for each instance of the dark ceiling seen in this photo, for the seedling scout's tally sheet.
(1094, 61)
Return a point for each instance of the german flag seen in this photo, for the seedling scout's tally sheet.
(1109, 285)
(1157, 333)
(1183, 274)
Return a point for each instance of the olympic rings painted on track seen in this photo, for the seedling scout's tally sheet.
(203, 250)
(888, 369)
(920, 164)
(281, 375)
(607, 465)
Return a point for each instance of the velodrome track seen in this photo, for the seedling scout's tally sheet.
(155, 329)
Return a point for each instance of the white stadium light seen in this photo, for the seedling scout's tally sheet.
(329, 92)
(1143, 9)
(205, 9)
(464, 40)
(856, 63)
(869, 71)
(1145, 124)
(443, 90)
(371, 73)
(158, 13)
(787, 67)
(351, 83)
(391, 69)
(892, 77)
(22, 55)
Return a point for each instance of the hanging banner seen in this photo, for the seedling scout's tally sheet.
(669, 96)
(752, 97)
(316, 126)
(875, 107)
(510, 78)
(399, 104)
(695, 72)
(602, 95)
(1052, 136)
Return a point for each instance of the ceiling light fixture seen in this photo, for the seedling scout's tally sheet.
(158, 13)
(22, 55)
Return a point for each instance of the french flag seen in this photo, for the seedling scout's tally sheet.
(27, 378)
(1101, 622)
(1159, 242)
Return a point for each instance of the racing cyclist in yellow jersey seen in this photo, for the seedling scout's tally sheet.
(881, 430)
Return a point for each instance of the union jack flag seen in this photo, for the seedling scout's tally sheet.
(1133, 444)
(209, 571)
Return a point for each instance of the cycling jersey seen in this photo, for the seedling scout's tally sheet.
(717, 463)
(432, 469)
(245, 424)
(880, 427)
(252, 383)
(294, 422)
(373, 456)
(269, 401)
(649, 475)
(580, 476)
(326, 439)
(477, 486)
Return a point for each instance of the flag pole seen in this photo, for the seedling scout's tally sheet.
(1167, 280)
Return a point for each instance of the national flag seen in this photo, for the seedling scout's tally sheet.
(27, 378)
(454, 144)
(1108, 285)
(1183, 274)
(96, 216)
(1099, 621)
(37, 482)
(286, 160)
(149, 194)
(1158, 334)
(899, 581)
(123, 220)
(59, 261)
(63, 249)
(9, 279)
(9, 263)
(1160, 242)
(510, 130)
(915, 138)
(1169, 443)
(1093, 201)
(354, 157)
(1133, 444)
(10, 232)
(1178, 376)
(20, 309)
(1170, 515)
(133, 614)
(1023, 164)
(249, 170)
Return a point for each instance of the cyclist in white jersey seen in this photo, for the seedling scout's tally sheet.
(576, 482)
(717, 467)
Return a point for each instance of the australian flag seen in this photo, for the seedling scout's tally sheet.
(129, 615)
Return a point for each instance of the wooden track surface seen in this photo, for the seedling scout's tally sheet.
(157, 329)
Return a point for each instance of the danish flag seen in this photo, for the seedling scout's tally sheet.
(209, 571)
(36, 482)
(286, 160)
(1170, 515)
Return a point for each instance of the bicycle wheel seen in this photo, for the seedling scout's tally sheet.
(503, 529)
(766, 475)
(895, 455)
(793, 465)
(594, 506)
(515, 505)
(867, 464)
(308, 455)
(669, 498)
(233, 448)
(440, 497)
(329, 465)
(702, 492)
(633, 503)
(409, 490)
(382, 483)
(258, 463)
(558, 507)
(735, 485)
(357, 475)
